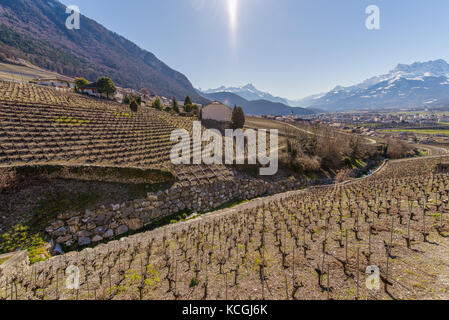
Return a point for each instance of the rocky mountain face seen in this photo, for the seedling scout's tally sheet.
(419, 84)
(35, 30)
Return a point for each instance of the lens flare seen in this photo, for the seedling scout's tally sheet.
(233, 10)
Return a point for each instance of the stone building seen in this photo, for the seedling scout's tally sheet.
(217, 116)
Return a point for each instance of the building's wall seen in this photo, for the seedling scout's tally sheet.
(217, 113)
(92, 92)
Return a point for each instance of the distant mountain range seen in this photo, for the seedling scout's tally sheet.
(35, 31)
(421, 84)
(256, 107)
(248, 92)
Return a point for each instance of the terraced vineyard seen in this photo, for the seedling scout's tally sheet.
(40, 125)
(310, 244)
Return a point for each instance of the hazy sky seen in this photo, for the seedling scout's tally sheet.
(290, 48)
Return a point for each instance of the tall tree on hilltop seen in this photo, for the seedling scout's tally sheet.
(175, 105)
(238, 118)
(187, 101)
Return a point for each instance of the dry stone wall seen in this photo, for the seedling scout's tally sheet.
(110, 221)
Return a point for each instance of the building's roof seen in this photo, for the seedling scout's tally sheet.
(92, 85)
(216, 104)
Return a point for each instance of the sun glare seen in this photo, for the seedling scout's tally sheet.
(233, 8)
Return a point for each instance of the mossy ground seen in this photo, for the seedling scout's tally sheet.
(3, 260)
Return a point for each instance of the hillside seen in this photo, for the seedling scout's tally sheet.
(256, 107)
(35, 31)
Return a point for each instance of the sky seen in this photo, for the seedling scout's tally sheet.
(290, 48)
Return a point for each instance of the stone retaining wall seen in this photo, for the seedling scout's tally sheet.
(107, 222)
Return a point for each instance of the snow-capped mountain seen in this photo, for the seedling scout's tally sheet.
(248, 92)
(415, 85)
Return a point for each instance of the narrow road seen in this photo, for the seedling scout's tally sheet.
(369, 140)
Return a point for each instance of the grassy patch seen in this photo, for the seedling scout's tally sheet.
(70, 121)
(31, 236)
(443, 132)
(3, 260)
(23, 238)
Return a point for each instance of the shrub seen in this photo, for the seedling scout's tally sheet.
(80, 82)
(194, 282)
(134, 106)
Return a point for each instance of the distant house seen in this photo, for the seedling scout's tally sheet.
(58, 82)
(216, 116)
(217, 111)
(90, 89)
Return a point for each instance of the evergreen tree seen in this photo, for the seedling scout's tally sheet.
(175, 105)
(157, 104)
(188, 101)
(238, 118)
(188, 108)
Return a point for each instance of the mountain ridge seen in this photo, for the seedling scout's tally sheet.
(248, 92)
(35, 31)
(407, 85)
(256, 107)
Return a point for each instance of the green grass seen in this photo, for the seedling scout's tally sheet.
(23, 238)
(30, 236)
(419, 131)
